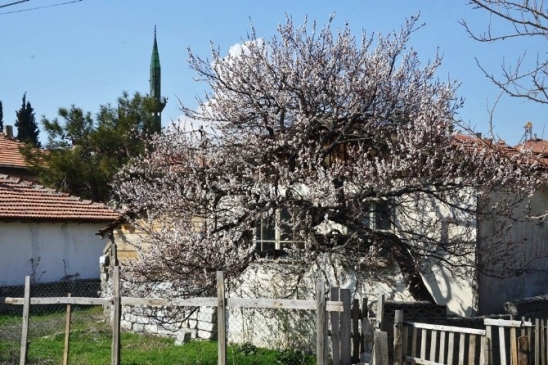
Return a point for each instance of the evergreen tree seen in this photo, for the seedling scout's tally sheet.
(27, 129)
(1, 116)
(85, 152)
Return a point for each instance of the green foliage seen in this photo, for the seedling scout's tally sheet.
(246, 349)
(293, 357)
(91, 339)
(84, 152)
(27, 128)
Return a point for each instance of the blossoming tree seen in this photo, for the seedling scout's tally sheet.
(326, 153)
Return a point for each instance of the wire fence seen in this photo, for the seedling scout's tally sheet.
(254, 335)
(46, 322)
(290, 334)
(152, 335)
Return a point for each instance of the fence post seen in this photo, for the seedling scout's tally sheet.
(380, 312)
(25, 331)
(116, 314)
(346, 322)
(513, 345)
(335, 335)
(355, 331)
(536, 337)
(523, 350)
(486, 350)
(379, 353)
(321, 324)
(67, 333)
(398, 334)
(366, 329)
(221, 318)
(489, 345)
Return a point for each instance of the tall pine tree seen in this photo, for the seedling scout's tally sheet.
(1, 117)
(27, 129)
(84, 153)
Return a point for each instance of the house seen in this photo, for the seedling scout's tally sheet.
(517, 240)
(12, 161)
(486, 239)
(47, 234)
(491, 291)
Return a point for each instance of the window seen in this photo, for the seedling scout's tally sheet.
(275, 232)
(378, 215)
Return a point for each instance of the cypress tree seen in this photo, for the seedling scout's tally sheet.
(27, 129)
(1, 117)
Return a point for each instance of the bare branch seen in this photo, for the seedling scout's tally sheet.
(527, 78)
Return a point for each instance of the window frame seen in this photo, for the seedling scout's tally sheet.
(373, 211)
(278, 242)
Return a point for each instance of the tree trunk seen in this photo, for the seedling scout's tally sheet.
(411, 273)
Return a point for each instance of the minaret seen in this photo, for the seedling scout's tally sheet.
(156, 85)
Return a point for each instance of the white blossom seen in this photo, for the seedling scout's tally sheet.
(323, 126)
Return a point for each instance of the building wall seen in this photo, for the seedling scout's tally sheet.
(49, 251)
(452, 283)
(455, 287)
(127, 240)
(130, 241)
(532, 252)
(464, 291)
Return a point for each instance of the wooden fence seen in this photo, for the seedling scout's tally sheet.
(504, 342)
(320, 305)
(351, 331)
(345, 322)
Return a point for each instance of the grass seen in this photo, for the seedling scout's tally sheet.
(90, 344)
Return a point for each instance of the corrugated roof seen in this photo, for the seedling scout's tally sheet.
(24, 200)
(9, 152)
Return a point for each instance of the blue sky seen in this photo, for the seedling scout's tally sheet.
(86, 53)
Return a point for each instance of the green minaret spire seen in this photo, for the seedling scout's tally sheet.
(156, 83)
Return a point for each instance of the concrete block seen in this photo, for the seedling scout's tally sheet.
(182, 338)
(165, 332)
(204, 312)
(142, 319)
(206, 326)
(130, 317)
(125, 325)
(151, 328)
(173, 327)
(206, 335)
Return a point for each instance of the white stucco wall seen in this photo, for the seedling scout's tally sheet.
(451, 281)
(57, 250)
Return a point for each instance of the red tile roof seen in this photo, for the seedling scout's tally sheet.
(9, 152)
(24, 200)
(533, 152)
(536, 146)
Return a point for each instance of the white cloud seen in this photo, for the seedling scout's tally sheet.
(238, 49)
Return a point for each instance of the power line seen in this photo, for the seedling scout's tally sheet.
(14, 3)
(39, 7)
